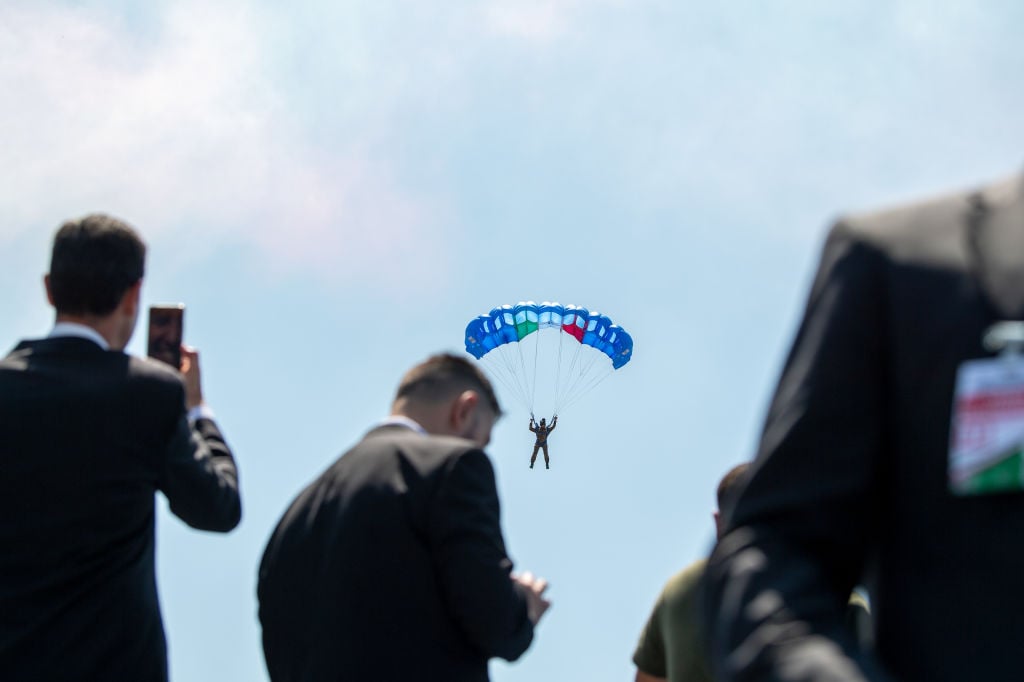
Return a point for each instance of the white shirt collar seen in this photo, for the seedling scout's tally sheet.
(79, 330)
(401, 420)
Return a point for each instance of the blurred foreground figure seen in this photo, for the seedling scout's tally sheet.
(671, 646)
(88, 434)
(391, 565)
(891, 450)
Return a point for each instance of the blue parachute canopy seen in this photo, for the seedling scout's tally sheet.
(499, 336)
(511, 324)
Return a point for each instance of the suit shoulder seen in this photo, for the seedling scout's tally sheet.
(148, 369)
(448, 453)
(17, 358)
(382, 449)
(154, 378)
(464, 454)
(406, 439)
(929, 230)
(456, 447)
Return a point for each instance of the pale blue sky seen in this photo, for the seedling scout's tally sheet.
(335, 188)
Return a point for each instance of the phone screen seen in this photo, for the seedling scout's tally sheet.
(166, 327)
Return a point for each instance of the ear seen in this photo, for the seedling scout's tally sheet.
(462, 409)
(130, 300)
(46, 285)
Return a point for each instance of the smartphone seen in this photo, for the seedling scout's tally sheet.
(166, 328)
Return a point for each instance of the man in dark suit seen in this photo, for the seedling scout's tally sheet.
(88, 434)
(857, 472)
(391, 565)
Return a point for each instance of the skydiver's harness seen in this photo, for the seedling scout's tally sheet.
(542, 433)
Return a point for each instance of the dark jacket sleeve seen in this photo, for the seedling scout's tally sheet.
(465, 534)
(778, 582)
(199, 477)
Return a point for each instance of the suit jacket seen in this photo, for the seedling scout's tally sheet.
(391, 566)
(87, 437)
(851, 475)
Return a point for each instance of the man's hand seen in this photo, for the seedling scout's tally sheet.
(190, 372)
(536, 604)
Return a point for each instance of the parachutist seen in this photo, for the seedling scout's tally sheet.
(542, 430)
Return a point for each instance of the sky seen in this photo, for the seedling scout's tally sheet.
(334, 189)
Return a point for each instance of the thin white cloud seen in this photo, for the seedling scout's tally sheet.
(540, 21)
(288, 129)
(537, 20)
(182, 131)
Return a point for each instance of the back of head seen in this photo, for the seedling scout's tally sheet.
(731, 484)
(442, 377)
(95, 260)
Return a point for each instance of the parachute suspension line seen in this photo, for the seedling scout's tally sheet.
(515, 379)
(536, 351)
(583, 377)
(593, 383)
(503, 380)
(517, 368)
(566, 393)
(566, 380)
(499, 369)
(587, 379)
(527, 393)
(558, 374)
(558, 371)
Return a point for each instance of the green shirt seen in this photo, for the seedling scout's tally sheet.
(670, 644)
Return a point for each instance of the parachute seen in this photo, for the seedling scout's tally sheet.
(548, 355)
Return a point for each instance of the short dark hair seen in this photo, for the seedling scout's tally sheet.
(95, 260)
(729, 486)
(441, 376)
